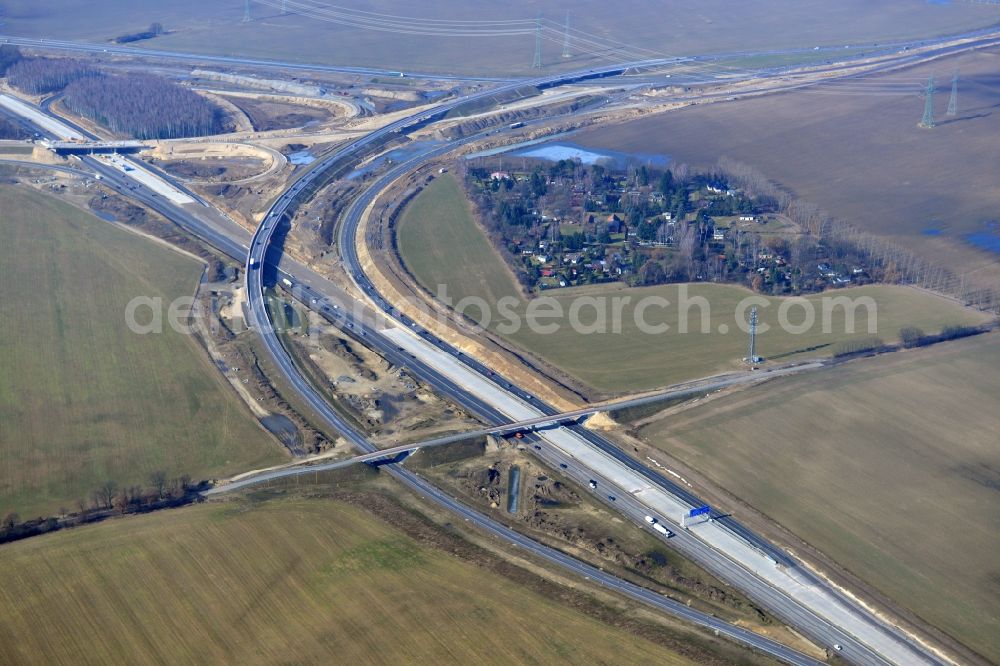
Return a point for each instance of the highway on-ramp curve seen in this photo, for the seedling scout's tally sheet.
(226, 239)
(258, 249)
(882, 644)
(257, 316)
(830, 619)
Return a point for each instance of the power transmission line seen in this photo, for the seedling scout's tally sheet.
(584, 43)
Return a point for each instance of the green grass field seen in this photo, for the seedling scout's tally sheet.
(441, 243)
(286, 581)
(634, 360)
(889, 465)
(82, 398)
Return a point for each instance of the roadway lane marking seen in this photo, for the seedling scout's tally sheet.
(40, 119)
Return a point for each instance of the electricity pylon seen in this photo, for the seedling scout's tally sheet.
(928, 121)
(752, 348)
(565, 53)
(537, 64)
(953, 100)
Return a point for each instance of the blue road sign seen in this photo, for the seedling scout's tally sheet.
(700, 511)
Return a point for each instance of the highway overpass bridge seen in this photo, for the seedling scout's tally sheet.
(396, 453)
(92, 147)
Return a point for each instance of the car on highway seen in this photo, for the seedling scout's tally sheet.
(592, 484)
(564, 465)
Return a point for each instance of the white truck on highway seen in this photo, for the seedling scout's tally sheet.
(286, 282)
(658, 527)
(662, 530)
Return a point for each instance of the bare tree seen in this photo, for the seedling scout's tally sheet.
(158, 480)
(143, 105)
(11, 520)
(181, 484)
(42, 75)
(121, 502)
(106, 494)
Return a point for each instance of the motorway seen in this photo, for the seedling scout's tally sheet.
(138, 52)
(228, 242)
(750, 563)
(580, 453)
(754, 566)
(820, 630)
(432, 370)
(696, 60)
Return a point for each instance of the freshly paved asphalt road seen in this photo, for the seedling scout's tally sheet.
(259, 250)
(791, 609)
(209, 232)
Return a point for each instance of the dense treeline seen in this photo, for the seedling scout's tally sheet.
(8, 56)
(144, 106)
(106, 501)
(911, 336)
(141, 105)
(868, 345)
(154, 30)
(11, 130)
(45, 75)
